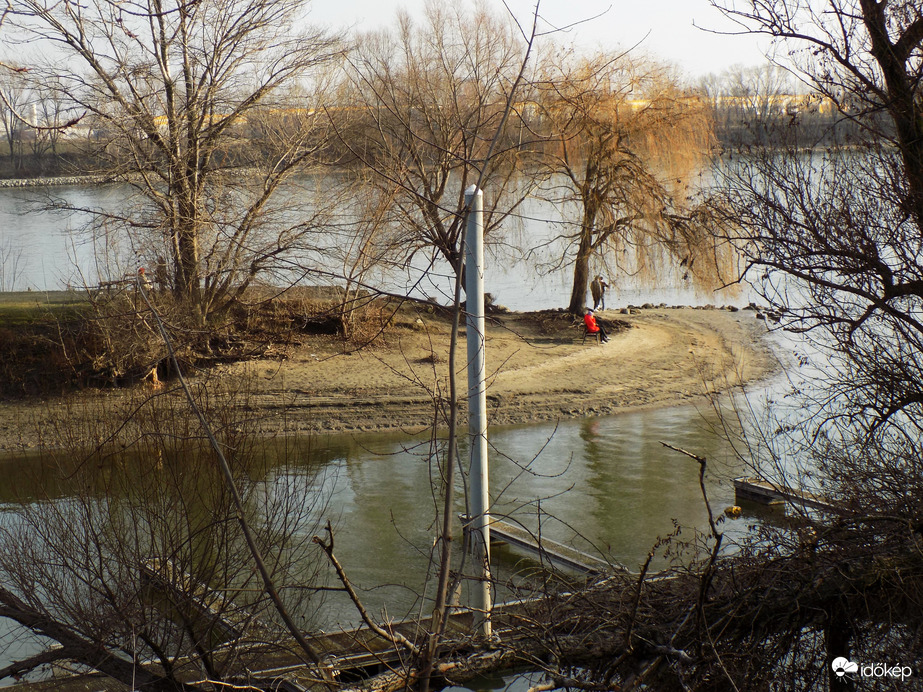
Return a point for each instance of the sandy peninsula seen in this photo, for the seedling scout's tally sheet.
(539, 369)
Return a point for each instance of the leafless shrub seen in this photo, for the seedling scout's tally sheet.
(122, 543)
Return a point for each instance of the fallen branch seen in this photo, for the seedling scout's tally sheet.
(453, 671)
(26, 665)
(395, 638)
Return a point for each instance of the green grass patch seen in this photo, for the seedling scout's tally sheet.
(23, 309)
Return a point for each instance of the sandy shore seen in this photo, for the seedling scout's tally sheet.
(538, 370)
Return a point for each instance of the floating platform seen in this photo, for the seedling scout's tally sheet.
(766, 493)
(546, 550)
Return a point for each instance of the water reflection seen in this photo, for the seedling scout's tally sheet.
(623, 489)
(520, 682)
(604, 484)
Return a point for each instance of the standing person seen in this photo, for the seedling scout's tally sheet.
(598, 290)
(592, 327)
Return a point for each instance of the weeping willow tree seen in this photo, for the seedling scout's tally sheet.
(622, 142)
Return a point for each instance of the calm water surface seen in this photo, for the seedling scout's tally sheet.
(606, 485)
(47, 250)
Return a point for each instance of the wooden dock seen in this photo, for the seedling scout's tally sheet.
(766, 493)
(352, 654)
(546, 550)
(358, 653)
(193, 601)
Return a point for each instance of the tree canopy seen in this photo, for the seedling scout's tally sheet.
(621, 142)
(169, 89)
(431, 96)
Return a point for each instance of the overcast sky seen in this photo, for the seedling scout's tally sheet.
(665, 28)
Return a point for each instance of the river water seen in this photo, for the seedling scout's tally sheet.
(44, 250)
(604, 484)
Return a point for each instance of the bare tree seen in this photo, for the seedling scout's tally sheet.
(123, 547)
(171, 88)
(432, 96)
(361, 254)
(836, 236)
(832, 238)
(622, 142)
(749, 103)
(14, 98)
(51, 116)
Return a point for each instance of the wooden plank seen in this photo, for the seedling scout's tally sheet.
(550, 551)
(361, 650)
(186, 592)
(349, 651)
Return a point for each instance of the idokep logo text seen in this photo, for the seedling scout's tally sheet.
(844, 668)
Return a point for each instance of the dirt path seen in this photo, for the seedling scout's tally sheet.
(665, 358)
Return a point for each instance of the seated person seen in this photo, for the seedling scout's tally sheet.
(592, 327)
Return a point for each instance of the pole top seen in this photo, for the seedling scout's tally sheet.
(473, 190)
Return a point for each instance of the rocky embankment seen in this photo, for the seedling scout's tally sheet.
(54, 181)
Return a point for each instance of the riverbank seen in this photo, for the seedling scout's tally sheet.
(538, 367)
(54, 181)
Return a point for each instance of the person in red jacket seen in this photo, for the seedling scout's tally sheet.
(592, 327)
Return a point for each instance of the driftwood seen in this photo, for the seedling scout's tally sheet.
(453, 671)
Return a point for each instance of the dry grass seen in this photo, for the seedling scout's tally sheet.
(111, 339)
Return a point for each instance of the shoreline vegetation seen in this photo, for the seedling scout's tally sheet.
(539, 369)
(725, 150)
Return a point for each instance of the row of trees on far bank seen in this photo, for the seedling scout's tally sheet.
(209, 111)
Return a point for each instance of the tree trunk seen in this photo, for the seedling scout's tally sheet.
(188, 286)
(901, 99)
(837, 636)
(581, 272)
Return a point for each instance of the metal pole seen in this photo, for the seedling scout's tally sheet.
(477, 407)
